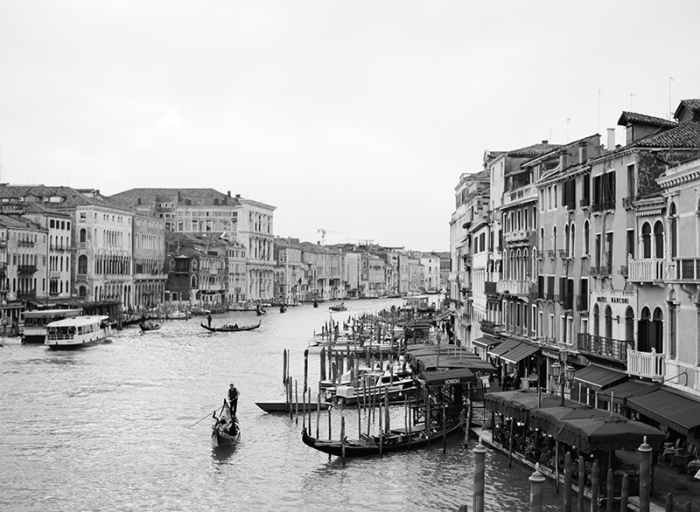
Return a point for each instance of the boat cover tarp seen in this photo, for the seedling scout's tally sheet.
(608, 433)
(439, 378)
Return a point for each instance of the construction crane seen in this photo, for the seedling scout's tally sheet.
(323, 232)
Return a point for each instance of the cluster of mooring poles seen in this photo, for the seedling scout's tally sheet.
(537, 483)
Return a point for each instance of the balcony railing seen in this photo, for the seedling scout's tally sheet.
(605, 270)
(606, 347)
(25, 243)
(627, 202)
(585, 202)
(26, 269)
(489, 327)
(523, 193)
(593, 271)
(26, 294)
(650, 365)
(563, 254)
(646, 271)
(512, 287)
(518, 236)
(605, 205)
(551, 254)
(687, 269)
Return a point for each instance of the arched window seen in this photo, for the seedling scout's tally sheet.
(83, 235)
(542, 241)
(554, 238)
(82, 291)
(643, 330)
(596, 320)
(608, 322)
(193, 282)
(193, 265)
(82, 264)
(646, 240)
(657, 330)
(586, 237)
(659, 239)
(526, 265)
(517, 275)
(567, 240)
(673, 228)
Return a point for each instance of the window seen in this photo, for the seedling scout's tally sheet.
(673, 228)
(586, 237)
(646, 241)
(609, 249)
(83, 236)
(631, 184)
(659, 239)
(82, 264)
(630, 243)
(598, 241)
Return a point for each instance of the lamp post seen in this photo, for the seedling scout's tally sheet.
(561, 378)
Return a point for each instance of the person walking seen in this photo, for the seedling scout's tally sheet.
(233, 395)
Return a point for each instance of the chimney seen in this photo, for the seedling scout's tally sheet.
(545, 142)
(582, 152)
(611, 139)
(238, 196)
(562, 159)
(228, 193)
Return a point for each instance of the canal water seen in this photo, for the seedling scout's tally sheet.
(114, 427)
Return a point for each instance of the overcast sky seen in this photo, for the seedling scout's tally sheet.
(355, 117)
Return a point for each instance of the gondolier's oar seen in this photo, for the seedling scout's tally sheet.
(209, 414)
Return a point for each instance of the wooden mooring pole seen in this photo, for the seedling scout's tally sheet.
(479, 473)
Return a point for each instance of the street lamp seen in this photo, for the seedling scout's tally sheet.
(561, 378)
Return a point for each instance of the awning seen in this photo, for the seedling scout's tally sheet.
(487, 341)
(679, 412)
(598, 377)
(439, 378)
(631, 388)
(503, 347)
(517, 354)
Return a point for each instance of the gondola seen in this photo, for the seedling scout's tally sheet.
(149, 326)
(261, 311)
(226, 430)
(338, 307)
(397, 441)
(231, 328)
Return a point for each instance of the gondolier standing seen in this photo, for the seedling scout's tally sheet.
(209, 320)
(233, 395)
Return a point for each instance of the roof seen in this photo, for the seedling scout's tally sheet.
(534, 151)
(692, 105)
(677, 411)
(70, 197)
(487, 341)
(599, 377)
(196, 196)
(503, 347)
(685, 135)
(635, 118)
(78, 320)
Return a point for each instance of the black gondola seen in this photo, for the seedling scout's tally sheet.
(231, 328)
(397, 441)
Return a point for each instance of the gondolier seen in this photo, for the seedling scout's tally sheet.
(233, 395)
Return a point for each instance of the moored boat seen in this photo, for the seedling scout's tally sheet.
(78, 332)
(231, 328)
(395, 441)
(281, 406)
(226, 430)
(338, 307)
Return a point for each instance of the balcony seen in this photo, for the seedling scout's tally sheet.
(585, 202)
(467, 258)
(563, 254)
(605, 270)
(489, 327)
(646, 271)
(687, 269)
(26, 269)
(605, 205)
(551, 254)
(520, 235)
(522, 194)
(25, 243)
(593, 271)
(605, 347)
(512, 287)
(627, 202)
(646, 364)
(58, 248)
(624, 271)
(26, 294)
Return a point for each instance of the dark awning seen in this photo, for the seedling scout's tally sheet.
(599, 377)
(679, 412)
(631, 388)
(503, 347)
(517, 354)
(487, 341)
(439, 378)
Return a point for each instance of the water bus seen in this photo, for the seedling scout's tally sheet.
(78, 332)
(35, 322)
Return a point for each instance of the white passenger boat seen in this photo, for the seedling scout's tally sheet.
(78, 332)
(35, 322)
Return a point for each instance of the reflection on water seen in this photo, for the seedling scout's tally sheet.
(116, 427)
